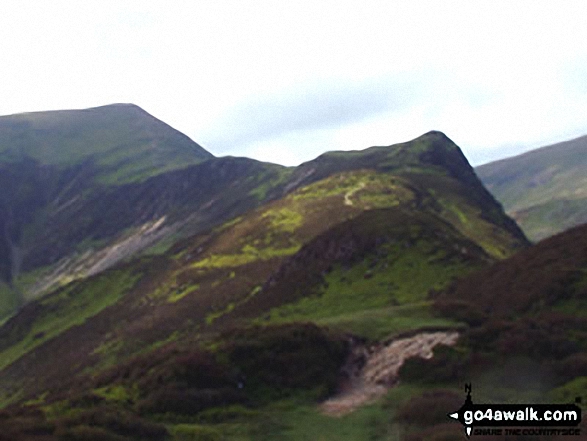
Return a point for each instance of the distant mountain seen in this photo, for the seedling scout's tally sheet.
(111, 144)
(544, 190)
(84, 189)
(237, 331)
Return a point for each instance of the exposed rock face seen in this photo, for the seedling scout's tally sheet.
(371, 371)
(56, 220)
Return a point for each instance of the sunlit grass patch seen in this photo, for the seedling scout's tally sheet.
(379, 295)
(284, 219)
(69, 307)
(176, 296)
(249, 254)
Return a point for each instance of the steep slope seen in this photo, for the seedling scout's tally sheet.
(49, 161)
(63, 221)
(544, 190)
(352, 241)
(527, 334)
(84, 189)
(96, 230)
(116, 143)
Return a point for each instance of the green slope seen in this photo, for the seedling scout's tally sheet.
(53, 165)
(66, 219)
(381, 288)
(85, 189)
(121, 141)
(544, 190)
(348, 243)
(527, 334)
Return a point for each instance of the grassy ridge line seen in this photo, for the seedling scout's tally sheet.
(545, 189)
(406, 241)
(107, 215)
(207, 273)
(538, 176)
(124, 141)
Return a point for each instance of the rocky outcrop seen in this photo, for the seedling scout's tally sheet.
(371, 370)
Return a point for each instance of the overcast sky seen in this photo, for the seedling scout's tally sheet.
(285, 81)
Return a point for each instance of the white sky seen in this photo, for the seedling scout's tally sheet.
(286, 81)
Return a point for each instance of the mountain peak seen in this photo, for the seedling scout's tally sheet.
(129, 105)
(118, 107)
(435, 139)
(122, 141)
(436, 149)
(435, 134)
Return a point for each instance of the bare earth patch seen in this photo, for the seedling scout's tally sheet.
(372, 371)
(93, 262)
(347, 197)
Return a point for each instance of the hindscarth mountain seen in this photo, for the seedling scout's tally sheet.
(153, 291)
(544, 190)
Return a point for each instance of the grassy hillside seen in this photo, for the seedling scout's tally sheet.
(527, 334)
(64, 221)
(544, 190)
(121, 142)
(238, 332)
(85, 189)
(56, 233)
(52, 165)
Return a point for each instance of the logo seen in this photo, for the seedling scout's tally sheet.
(543, 418)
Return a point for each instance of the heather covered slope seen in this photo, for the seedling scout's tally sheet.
(63, 222)
(526, 339)
(544, 190)
(52, 166)
(548, 277)
(84, 189)
(209, 335)
(100, 228)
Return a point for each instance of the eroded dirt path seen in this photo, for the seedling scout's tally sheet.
(349, 194)
(372, 371)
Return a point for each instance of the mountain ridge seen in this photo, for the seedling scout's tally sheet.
(100, 135)
(76, 224)
(261, 281)
(244, 252)
(545, 189)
